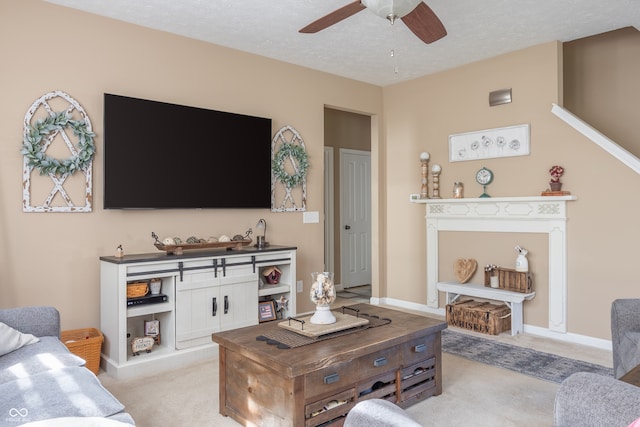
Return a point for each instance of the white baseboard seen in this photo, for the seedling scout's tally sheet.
(569, 337)
(408, 305)
(533, 330)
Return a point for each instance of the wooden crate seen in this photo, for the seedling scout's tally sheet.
(511, 280)
(479, 316)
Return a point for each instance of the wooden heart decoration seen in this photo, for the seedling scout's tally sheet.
(464, 269)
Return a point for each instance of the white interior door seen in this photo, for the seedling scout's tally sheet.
(355, 217)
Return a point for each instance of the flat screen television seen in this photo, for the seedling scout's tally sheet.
(159, 155)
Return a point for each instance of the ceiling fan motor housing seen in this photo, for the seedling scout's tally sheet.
(391, 9)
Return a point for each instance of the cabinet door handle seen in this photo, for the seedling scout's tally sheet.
(420, 348)
(214, 306)
(226, 304)
(381, 361)
(330, 379)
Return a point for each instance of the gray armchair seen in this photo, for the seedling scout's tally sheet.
(586, 399)
(625, 335)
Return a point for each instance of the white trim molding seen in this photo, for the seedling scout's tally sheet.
(543, 214)
(528, 329)
(594, 135)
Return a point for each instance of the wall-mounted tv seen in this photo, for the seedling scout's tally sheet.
(159, 155)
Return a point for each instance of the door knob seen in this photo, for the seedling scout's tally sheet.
(347, 227)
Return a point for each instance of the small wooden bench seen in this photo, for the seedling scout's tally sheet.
(512, 299)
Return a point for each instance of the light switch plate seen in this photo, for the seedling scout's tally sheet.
(311, 217)
(299, 285)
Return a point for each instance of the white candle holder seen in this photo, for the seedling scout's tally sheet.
(323, 294)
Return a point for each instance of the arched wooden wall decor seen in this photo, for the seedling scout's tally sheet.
(289, 165)
(49, 179)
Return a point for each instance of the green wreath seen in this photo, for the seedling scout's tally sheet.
(32, 145)
(299, 155)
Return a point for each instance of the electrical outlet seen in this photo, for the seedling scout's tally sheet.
(299, 285)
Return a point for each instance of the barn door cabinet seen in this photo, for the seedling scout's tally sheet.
(214, 299)
(205, 292)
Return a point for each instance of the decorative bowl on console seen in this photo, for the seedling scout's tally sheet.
(178, 247)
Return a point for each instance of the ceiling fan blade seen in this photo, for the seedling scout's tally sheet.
(334, 17)
(424, 23)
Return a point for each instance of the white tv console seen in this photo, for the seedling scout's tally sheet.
(207, 291)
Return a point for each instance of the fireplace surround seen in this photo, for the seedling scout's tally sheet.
(546, 215)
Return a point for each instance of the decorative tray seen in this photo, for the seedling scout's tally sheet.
(304, 327)
(177, 249)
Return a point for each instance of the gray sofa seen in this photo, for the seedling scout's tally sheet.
(586, 399)
(44, 381)
(625, 335)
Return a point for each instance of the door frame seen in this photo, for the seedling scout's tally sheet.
(329, 216)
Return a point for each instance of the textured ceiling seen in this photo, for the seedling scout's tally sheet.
(360, 46)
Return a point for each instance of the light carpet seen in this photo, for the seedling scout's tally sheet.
(546, 366)
(473, 394)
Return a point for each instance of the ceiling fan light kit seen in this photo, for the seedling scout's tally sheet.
(391, 9)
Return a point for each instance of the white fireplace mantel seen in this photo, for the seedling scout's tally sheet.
(511, 215)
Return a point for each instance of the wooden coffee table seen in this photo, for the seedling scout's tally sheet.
(632, 377)
(319, 383)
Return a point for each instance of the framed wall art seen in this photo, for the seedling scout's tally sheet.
(266, 311)
(152, 329)
(490, 143)
(289, 166)
(57, 123)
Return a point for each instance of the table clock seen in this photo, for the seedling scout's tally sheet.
(484, 177)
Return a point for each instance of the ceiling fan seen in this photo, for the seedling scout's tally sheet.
(415, 14)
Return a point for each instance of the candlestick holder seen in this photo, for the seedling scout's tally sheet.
(424, 166)
(435, 172)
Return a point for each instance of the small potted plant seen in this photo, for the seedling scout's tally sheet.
(556, 172)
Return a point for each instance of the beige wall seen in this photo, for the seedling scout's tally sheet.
(53, 258)
(602, 227)
(601, 83)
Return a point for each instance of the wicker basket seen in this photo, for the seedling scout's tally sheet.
(85, 343)
(137, 289)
